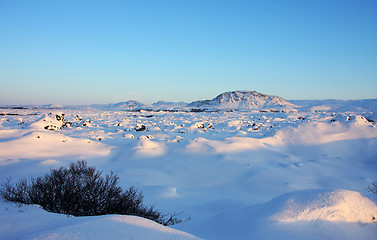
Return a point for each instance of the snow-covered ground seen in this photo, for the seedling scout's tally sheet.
(295, 174)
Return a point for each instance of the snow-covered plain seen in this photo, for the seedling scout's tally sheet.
(253, 174)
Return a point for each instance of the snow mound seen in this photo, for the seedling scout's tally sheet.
(360, 120)
(128, 136)
(231, 144)
(116, 227)
(331, 131)
(336, 206)
(306, 214)
(146, 147)
(47, 144)
(32, 222)
(49, 122)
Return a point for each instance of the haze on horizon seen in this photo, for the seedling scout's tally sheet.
(69, 52)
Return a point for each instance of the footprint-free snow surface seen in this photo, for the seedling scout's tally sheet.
(297, 173)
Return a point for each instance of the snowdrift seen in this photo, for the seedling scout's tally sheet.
(308, 214)
(47, 144)
(31, 222)
(336, 206)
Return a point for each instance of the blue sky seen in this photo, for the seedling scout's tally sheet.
(81, 52)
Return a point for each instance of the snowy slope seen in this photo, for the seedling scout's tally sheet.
(309, 214)
(31, 222)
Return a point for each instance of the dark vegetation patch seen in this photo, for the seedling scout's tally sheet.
(80, 190)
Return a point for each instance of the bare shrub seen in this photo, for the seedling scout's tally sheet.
(372, 188)
(80, 190)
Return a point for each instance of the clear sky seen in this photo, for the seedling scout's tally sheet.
(81, 52)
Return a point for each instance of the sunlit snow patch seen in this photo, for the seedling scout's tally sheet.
(31, 222)
(337, 206)
(232, 144)
(47, 144)
(147, 147)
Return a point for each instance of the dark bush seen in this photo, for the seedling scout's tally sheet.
(82, 191)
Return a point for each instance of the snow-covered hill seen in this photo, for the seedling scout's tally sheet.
(128, 105)
(243, 100)
(163, 105)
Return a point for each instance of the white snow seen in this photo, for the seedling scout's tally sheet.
(336, 206)
(147, 147)
(309, 214)
(298, 174)
(46, 144)
(31, 222)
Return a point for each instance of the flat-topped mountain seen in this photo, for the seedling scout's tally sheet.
(243, 100)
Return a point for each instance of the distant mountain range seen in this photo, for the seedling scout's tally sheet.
(225, 101)
(244, 100)
(233, 100)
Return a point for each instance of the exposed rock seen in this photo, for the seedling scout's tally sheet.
(140, 127)
(49, 122)
(87, 123)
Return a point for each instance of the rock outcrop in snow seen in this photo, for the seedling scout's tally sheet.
(49, 122)
(243, 100)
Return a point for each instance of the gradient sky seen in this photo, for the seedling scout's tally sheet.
(82, 52)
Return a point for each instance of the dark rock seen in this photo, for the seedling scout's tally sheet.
(140, 127)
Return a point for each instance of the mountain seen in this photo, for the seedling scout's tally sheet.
(163, 105)
(243, 100)
(339, 104)
(129, 105)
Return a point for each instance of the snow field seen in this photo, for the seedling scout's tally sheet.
(235, 175)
